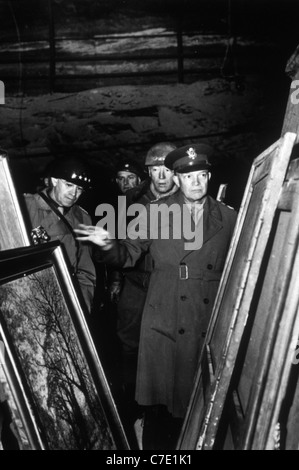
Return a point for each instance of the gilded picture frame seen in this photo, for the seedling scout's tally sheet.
(13, 232)
(234, 304)
(56, 386)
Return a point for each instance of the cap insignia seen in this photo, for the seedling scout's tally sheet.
(191, 153)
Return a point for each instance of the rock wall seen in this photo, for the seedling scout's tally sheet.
(112, 123)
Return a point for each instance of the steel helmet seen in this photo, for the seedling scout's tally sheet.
(130, 166)
(157, 154)
(72, 169)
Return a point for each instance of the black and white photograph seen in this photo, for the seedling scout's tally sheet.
(149, 168)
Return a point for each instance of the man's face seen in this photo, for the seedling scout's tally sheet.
(64, 193)
(162, 178)
(127, 180)
(194, 185)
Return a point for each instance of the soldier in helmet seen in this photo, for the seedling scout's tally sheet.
(130, 290)
(182, 288)
(160, 179)
(55, 209)
(128, 175)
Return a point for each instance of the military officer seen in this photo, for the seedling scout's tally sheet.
(132, 288)
(128, 175)
(182, 289)
(55, 208)
(132, 297)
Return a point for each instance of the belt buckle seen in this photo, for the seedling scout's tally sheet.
(183, 269)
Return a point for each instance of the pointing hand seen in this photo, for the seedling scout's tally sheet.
(93, 234)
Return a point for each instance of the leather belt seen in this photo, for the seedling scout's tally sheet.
(190, 272)
(183, 272)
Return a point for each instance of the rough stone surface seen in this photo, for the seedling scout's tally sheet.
(111, 123)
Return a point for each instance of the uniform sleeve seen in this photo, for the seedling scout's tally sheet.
(86, 272)
(31, 212)
(138, 235)
(125, 253)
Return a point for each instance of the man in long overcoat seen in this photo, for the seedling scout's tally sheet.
(188, 244)
(135, 281)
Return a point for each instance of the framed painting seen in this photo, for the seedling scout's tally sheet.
(233, 312)
(17, 426)
(269, 390)
(13, 233)
(57, 392)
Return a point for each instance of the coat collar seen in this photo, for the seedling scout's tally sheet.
(45, 206)
(212, 221)
(212, 217)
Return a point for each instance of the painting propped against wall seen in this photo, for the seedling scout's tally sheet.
(269, 390)
(216, 410)
(58, 395)
(13, 232)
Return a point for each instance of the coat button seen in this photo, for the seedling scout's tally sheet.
(203, 334)
(210, 266)
(181, 331)
(206, 301)
(183, 297)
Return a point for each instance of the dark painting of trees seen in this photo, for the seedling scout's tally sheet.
(70, 415)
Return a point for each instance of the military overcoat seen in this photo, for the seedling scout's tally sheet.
(179, 301)
(79, 255)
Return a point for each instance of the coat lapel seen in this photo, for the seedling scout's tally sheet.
(212, 219)
(212, 222)
(178, 244)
